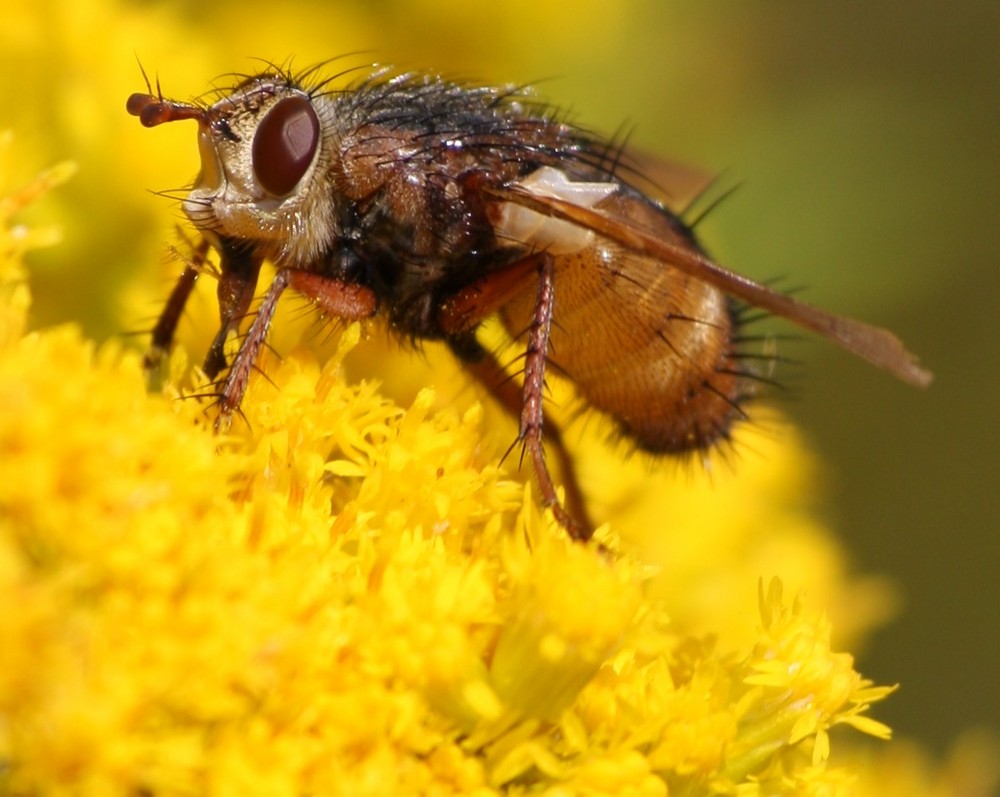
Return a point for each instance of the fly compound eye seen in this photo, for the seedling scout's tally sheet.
(284, 145)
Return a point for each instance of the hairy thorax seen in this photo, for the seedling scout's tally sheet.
(412, 219)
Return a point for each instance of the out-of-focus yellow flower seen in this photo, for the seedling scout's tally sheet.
(346, 596)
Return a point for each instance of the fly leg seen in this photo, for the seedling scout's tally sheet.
(333, 297)
(482, 365)
(166, 324)
(239, 269)
(237, 281)
(533, 393)
(459, 316)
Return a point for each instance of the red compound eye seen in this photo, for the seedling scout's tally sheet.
(284, 145)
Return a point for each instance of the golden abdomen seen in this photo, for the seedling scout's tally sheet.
(644, 343)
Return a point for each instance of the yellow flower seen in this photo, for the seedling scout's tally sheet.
(347, 596)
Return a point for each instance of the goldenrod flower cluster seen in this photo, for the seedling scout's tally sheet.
(344, 596)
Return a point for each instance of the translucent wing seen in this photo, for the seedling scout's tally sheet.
(878, 346)
(677, 186)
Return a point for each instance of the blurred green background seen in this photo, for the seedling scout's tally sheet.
(865, 139)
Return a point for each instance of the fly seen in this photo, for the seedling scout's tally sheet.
(436, 206)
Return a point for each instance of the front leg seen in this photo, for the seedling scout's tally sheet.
(166, 324)
(239, 269)
(348, 301)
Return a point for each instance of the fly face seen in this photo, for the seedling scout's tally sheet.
(262, 167)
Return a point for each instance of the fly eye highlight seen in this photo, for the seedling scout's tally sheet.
(284, 145)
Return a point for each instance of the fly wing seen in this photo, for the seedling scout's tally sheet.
(652, 347)
(678, 186)
(878, 346)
